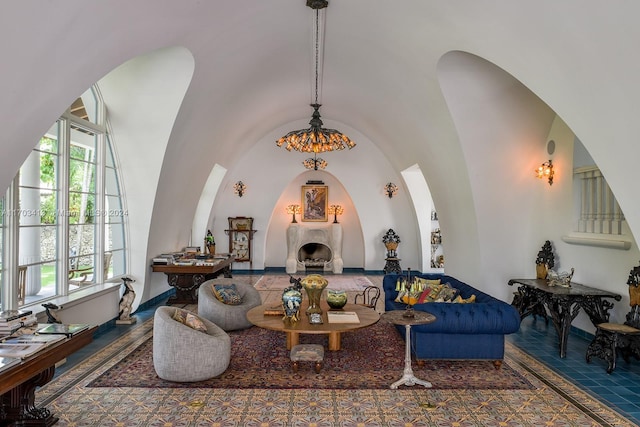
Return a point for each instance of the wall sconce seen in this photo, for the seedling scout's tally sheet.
(390, 189)
(546, 171)
(239, 188)
(293, 209)
(336, 210)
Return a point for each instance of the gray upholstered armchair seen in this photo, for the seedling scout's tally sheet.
(184, 354)
(228, 317)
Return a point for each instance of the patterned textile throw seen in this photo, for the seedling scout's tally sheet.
(370, 358)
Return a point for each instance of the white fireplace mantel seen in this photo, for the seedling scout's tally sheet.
(299, 235)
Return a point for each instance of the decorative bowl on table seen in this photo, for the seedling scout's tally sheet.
(336, 299)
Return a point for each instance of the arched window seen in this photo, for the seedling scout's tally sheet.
(64, 210)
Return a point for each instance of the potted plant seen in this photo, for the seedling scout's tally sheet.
(210, 243)
(544, 260)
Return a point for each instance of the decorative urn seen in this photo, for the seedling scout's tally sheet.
(314, 284)
(336, 299)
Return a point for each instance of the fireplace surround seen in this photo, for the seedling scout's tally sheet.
(317, 248)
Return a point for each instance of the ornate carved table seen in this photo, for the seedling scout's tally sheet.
(535, 296)
(419, 318)
(18, 383)
(186, 279)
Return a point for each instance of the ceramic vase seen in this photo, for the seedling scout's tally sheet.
(336, 299)
(541, 271)
(314, 284)
(291, 300)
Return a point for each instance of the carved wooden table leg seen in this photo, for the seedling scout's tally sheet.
(19, 403)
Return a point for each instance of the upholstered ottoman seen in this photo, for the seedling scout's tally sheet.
(307, 353)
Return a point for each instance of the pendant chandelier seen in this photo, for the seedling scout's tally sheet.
(315, 139)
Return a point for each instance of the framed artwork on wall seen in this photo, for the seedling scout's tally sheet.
(314, 202)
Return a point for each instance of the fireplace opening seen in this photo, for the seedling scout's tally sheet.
(314, 256)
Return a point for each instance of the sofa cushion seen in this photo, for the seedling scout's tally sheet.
(227, 294)
(189, 319)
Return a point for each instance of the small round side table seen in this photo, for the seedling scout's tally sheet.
(397, 317)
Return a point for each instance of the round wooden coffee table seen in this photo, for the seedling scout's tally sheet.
(366, 316)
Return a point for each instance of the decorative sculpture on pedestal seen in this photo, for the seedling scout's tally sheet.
(391, 241)
(126, 302)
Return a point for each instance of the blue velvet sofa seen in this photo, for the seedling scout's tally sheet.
(461, 331)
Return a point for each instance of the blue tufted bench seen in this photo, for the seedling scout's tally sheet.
(461, 331)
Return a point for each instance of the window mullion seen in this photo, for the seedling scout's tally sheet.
(11, 219)
(64, 142)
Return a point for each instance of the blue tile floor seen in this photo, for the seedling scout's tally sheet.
(620, 389)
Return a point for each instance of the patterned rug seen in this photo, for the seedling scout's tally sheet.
(370, 358)
(338, 282)
(553, 401)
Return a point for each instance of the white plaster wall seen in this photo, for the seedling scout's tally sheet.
(144, 95)
(356, 179)
(503, 124)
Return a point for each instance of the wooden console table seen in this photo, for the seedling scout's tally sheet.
(563, 304)
(18, 383)
(186, 279)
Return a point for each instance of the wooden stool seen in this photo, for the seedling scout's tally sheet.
(307, 353)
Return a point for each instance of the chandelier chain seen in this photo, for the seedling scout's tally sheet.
(317, 51)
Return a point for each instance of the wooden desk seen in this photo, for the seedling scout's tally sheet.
(563, 304)
(188, 278)
(18, 383)
(366, 315)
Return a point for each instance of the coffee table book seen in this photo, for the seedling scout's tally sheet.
(7, 362)
(20, 350)
(35, 338)
(58, 328)
(342, 317)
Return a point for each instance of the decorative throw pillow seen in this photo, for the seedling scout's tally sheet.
(428, 282)
(447, 293)
(423, 296)
(461, 300)
(227, 294)
(189, 319)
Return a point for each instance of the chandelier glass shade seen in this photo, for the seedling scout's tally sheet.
(315, 138)
(315, 163)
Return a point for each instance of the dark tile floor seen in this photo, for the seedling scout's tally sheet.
(620, 389)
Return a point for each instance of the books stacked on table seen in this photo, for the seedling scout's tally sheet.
(11, 321)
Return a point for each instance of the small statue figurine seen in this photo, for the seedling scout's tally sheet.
(51, 318)
(128, 296)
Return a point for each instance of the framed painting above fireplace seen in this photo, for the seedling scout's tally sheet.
(314, 202)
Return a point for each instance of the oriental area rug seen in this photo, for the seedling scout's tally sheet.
(102, 391)
(370, 358)
(337, 282)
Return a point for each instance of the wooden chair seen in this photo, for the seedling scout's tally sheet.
(369, 297)
(84, 276)
(623, 338)
(22, 284)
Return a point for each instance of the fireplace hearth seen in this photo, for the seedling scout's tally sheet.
(318, 249)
